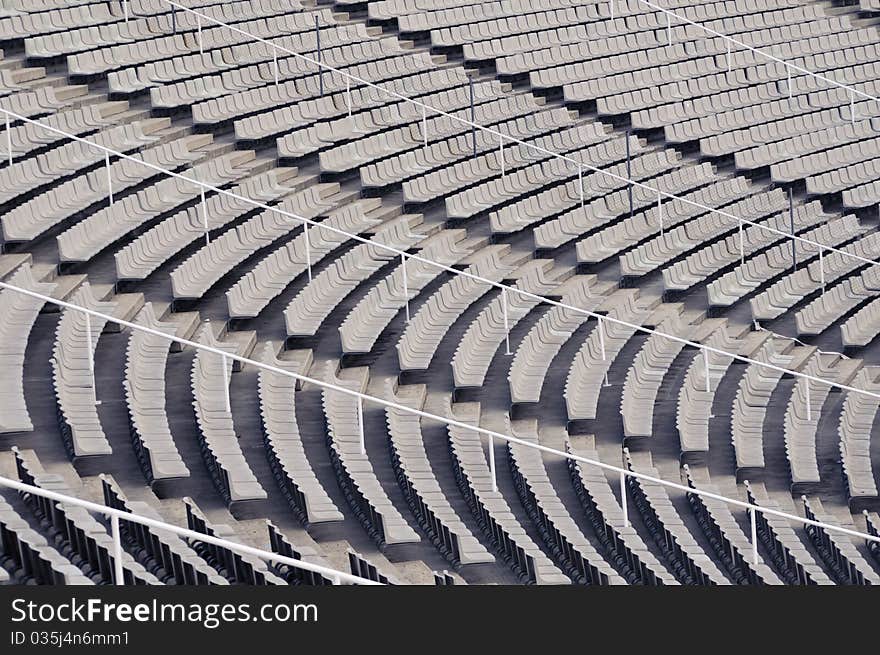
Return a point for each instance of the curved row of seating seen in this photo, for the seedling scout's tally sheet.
(856, 427)
(146, 356)
(210, 379)
(490, 507)
(419, 484)
(287, 457)
(355, 473)
(562, 535)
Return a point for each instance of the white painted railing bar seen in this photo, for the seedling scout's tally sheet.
(305, 379)
(454, 271)
(112, 513)
(492, 131)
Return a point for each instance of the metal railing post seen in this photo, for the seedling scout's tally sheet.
(473, 119)
(308, 250)
(405, 287)
(501, 154)
(226, 382)
(807, 399)
(109, 178)
(629, 173)
(204, 208)
(660, 211)
(708, 370)
(506, 321)
(360, 418)
(425, 125)
(581, 184)
(492, 463)
(623, 504)
(320, 66)
(754, 522)
(118, 571)
(8, 138)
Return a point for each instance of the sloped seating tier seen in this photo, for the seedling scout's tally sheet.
(239, 68)
(680, 240)
(240, 105)
(489, 506)
(855, 429)
(303, 128)
(755, 272)
(588, 370)
(863, 326)
(28, 174)
(484, 335)
(146, 356)
(104, 227)
(804, 412)
(420, 486)
(569, 546)
(268, 279)
(73, 375)
(85, 121)
(719, 255)
(307, 312)
(752, 400)
(204, 268)
(820, 314)
(361, 328)
(34, 217)
(787, 552)
(223, 62)
(354, 471)
(724, 533)
(295, 476)
(643, 379)
(841, 556)
(91, 54)
(583, 204)
(19, 313)
(144, 254)
(555, 327)
(279, 543)
(27, 555)
(683, 554)
(526, 170)
(236, 567)
(651, 214)
(424, 333)
(164, 553)
(218, 441)
(630, 554)
(697, 394)
(77, 534)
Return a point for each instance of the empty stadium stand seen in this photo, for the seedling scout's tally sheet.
(656, 239)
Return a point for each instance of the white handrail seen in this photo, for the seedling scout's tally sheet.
(491, 434)
(118, 514)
